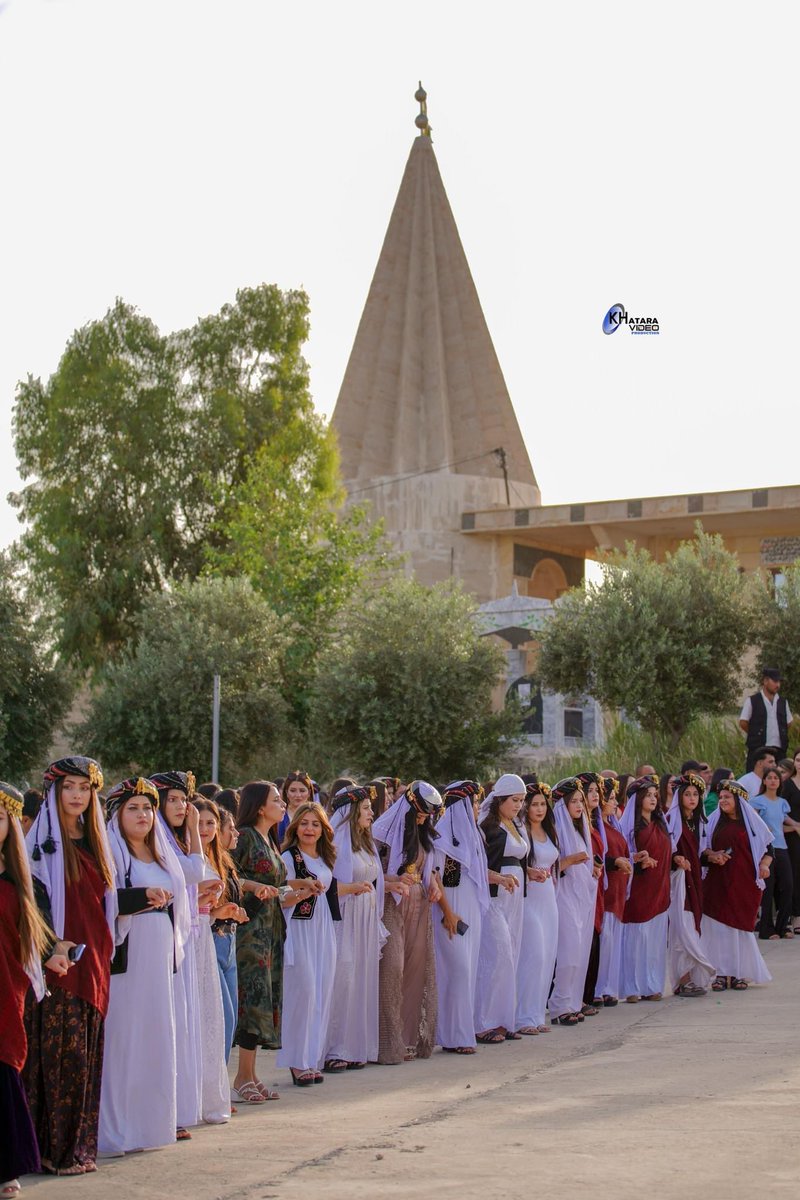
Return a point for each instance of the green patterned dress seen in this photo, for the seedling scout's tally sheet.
(259, 943)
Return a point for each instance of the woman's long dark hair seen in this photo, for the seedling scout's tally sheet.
(718, 776)
(548, 825)
(663, 798)
(656, 817)
(414, 836)
(251, 799)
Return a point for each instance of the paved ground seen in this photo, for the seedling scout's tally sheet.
(684, 1099)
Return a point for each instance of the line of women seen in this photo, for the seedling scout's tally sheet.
(145, 936)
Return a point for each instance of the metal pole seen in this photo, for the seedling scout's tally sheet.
(215, 733)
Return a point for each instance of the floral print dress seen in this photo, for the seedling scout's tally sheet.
(259, 943)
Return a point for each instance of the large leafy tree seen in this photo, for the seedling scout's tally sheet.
(134, 449)
(664, 641)
(34, 694)
(151, 708)
(406, 686)
(778, 632)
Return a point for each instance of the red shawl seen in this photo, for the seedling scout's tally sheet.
(730, 893)
(599, 908)
(14, 983)
(85, 921)
(650, 889)
(617, 888)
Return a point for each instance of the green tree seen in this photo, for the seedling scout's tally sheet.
(34, 693)
(406, 686)
(778, 632)
(135, 447)
(151, 707)
(664, 641)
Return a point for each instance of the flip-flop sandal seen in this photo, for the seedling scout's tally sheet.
(491, 1038)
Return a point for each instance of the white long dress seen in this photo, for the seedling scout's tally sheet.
(309, 971)
(187, 1007)
(353, 1028)
(576, 896)
(137, 1099)
(501, 938)
(457, 961)
(215, 1086)
(733, 951)
(686, 949)
(539, 942)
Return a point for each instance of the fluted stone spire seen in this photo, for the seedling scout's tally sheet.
(423, 385)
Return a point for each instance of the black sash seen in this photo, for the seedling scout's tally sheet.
(304, 909)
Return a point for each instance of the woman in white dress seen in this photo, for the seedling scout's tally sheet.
(309, 959)
(180, 820)
(576, 895)
(617, 868)
(462, 868)
(537, 958)
(501, 933)
(137, 1099)
(690, 971)
(215, 1088)
(353, 1028)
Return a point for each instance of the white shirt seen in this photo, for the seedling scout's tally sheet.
(752, 782)
(773, 737)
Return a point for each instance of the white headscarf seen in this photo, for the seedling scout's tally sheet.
(570, 840)
(759, 834)
(48, 867)
(343, 869)
(507, 785)
(460, 840)
(389, 829)
(181, 917)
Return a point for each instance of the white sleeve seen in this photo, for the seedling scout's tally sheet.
(789, 717)
(747, 710)
(289, 864)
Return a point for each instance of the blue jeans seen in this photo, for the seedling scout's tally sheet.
(225, 946)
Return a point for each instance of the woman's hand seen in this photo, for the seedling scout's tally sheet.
(226, 912)
(597, 871)
(648, 863)
(639, 856)
(538, 874)
(509, 882)
(58, 962)
(450, 922)
(192, 818)
(763, 868)
(681, 863)
(263, 891)
(624, 865)
(158, 897)
(434, 891)
(717, 857)
(396, 887)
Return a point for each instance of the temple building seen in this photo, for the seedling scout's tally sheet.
(427, 433)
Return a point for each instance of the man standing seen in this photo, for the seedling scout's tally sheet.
(765, 718)
(763, 757)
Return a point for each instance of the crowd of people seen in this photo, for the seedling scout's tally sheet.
(148, 929)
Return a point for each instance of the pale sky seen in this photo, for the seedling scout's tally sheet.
(171, 151)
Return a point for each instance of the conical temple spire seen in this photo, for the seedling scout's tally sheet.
(423, 386)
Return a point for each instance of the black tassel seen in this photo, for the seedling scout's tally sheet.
(48, 845)
(37, 854)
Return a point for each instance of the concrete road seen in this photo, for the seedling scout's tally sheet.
(684, 1099)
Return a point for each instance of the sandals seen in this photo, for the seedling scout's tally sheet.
(12, 1188)
(511, 1036)
(632, 999)
(720, 984)
(567, 1019)
(738, 985)
(610, 1001)
(334, 1066)
(302, 1078)
(181, 1135)
(266, 1092)
(356, 1066)
(689, 989)
(492, 1037)
(529, 1030)
(542, 1028)
(654, 996)
(589, 1010)
(247, 1093)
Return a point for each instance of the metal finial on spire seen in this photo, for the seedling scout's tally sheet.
(421, 120)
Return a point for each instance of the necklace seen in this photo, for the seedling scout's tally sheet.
(512, 829)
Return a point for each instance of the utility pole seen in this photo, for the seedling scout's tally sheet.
(500, 455)
(215, 732)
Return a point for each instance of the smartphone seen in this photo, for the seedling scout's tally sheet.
(74, 953)
(461, 927)
(729, 851)
(598, 862)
